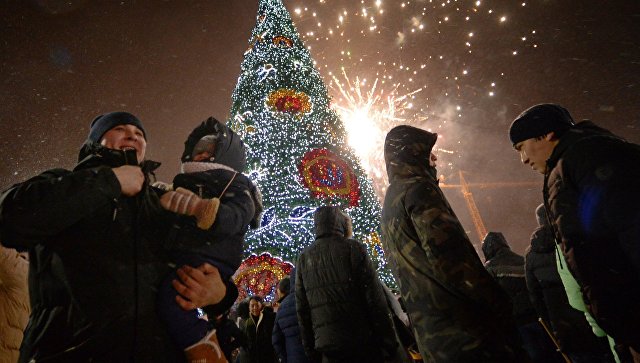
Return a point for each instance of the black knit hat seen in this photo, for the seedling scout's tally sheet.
(540, 120)
(103, 123)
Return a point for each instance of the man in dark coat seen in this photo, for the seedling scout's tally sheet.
(547, 294)
(342, 309)
(507, 267)
(286, 331)
(591, 195)
(459, 313)
(94, 238)
(258, 329)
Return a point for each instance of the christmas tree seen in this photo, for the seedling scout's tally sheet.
(297, 147)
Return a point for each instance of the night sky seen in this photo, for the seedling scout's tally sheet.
(470, 67)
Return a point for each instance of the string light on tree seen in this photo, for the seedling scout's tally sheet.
(298, 142)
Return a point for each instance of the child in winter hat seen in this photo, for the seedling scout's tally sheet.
(215, 204)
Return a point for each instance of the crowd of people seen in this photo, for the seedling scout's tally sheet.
(121, 266)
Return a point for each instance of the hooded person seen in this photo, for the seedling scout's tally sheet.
(217, 203)
(507, 268)
(94, 258)
(451, 299)
(593, 203)
(286, 339)
(341, 306)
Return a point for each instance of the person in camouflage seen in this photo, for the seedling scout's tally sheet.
(459, 313)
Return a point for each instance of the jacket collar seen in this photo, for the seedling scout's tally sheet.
(93, 155)
(578, 132)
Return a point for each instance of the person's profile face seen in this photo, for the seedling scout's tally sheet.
(125, 137)
(432, 160)
(535, 152)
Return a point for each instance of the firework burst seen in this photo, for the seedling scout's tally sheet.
(368, 113)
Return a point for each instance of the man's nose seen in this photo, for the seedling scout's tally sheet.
(524, 158)
(131, 134)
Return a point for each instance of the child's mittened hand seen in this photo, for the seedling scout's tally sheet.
(183, 201)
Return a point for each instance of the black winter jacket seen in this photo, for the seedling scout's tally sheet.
(507, 267)
(340, 302)
(258, 334)
(286, 331)
(95, 262)
(592, 196)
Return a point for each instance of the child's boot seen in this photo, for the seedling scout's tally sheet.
(206, 351)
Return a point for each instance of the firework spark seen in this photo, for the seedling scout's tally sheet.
(368, 113)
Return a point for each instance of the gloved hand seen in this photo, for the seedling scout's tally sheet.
(183, 201)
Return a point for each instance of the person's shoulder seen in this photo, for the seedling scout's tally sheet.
(587, 137)
(49, 174)
(355, 243)
(267, 311)
(421, 185)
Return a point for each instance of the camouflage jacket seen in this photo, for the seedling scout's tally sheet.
(458, 312)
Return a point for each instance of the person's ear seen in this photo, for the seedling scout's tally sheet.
(550, 136)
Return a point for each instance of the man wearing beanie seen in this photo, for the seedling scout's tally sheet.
(591, 195)
(94, 237)
(458, 311)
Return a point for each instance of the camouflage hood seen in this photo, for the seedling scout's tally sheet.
(331, 221)
(492, 243)
(407, 150)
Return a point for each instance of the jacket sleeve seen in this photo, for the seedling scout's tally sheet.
(13, 272)
(304, 313)
(454, 263)
(378, 312)
(48, 204)
(235, 212)
(278, 341)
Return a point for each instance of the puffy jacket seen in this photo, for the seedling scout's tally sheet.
(95, 261)
(224, 241)
(339, 300)
(507, 267)
(286, 332)
(14, 303)
(450, 297)
(591, 194)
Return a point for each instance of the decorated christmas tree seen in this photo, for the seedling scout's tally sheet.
(297, 147)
